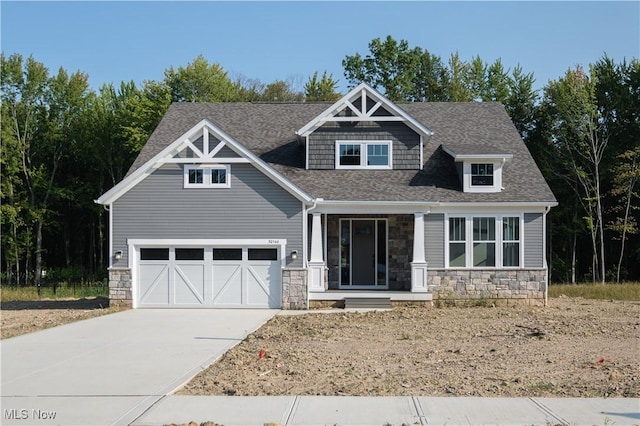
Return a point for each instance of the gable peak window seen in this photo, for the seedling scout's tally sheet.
(209, 176)
(364, 154)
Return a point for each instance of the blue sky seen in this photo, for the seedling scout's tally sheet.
(116, 41)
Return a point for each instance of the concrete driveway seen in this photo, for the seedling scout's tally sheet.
(111, 369)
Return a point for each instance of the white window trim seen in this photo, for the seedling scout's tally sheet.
(498, 240)
(363, 153)
(497, 177)
(206, 178)
(518, 241)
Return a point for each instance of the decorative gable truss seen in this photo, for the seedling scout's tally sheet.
(204, 145)
(204, 149)
(364, 103)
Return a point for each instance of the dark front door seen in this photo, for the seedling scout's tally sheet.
(363, 253)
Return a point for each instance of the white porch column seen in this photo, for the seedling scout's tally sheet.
(316, 263)
(419, 263)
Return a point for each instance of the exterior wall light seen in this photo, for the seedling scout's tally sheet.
(118, 255)
(294, 255)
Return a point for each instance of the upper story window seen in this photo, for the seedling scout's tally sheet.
(212, 176)
(363, 154)
(482, 174)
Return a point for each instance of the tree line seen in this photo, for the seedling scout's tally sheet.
(64, 144)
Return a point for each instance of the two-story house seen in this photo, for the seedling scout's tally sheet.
(287, 205)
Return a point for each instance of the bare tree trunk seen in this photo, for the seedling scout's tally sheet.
(27, 260)
(38, 269)
(15, 236)
(600, 225)
(92, 247)
(624, 229)
(67, 245)
(573, 258)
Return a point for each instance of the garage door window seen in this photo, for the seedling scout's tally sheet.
(227, 254)
(154, 254)
(189, 254)
(263, 254)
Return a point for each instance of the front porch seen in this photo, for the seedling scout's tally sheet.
(367, 255)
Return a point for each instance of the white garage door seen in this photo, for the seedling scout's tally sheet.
(209, 277)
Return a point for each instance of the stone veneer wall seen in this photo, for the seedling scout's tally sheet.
(400, 249)
(462, 284)
(294, 288)
(120, 287)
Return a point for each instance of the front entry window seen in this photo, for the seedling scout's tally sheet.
(363, 253)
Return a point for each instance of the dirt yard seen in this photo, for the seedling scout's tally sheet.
(18, 318)
(572, 348)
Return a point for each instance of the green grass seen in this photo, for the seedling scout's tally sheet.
(610, 291)
(11, 294)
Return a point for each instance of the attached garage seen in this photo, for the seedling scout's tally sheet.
(214, 275)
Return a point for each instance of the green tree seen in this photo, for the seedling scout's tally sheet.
(199, 81)
(390, 66)
(321, 89)
(618, 97)
(521, 101)
(280, 91)
(413, 74)
(581, 142)
(139, 112)
(42, 122)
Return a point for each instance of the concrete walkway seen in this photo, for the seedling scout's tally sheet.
(111, 369)
(344, 410)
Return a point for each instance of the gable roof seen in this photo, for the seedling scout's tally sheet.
(357, 104)
(185, 141)
(268, 130)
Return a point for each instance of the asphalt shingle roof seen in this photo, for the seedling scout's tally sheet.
(268, 130)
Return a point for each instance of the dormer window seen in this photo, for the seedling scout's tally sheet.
(479, 171)
(363, 154)
(210, 176)
(481, 174)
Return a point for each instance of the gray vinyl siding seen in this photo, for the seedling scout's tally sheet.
(225, 152)
(533, 240)
(406, 142)
(434, 240)
(254, 207)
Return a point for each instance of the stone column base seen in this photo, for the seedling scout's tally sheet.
(294, 288)
(120, 287)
